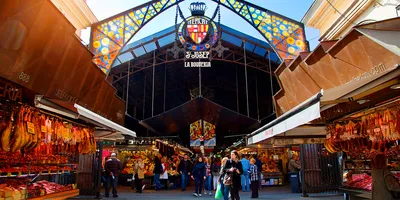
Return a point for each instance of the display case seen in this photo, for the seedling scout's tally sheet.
(34, 179)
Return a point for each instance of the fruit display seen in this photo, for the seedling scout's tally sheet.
(367, 135)
(272, 160)
(132, 156)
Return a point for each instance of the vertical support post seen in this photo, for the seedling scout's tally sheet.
(152, 95)
(245, 73)
(270, 78)
(302, 163)
(237, 90)
(144, 96)
(258, 110)
(99, 161)
(200, 81)
(165, 84)
(127, 87)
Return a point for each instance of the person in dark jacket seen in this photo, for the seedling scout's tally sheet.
(112, 167)
(184, 168)
(157, 171)
(199, 175)
(233, 168)
(259, 168)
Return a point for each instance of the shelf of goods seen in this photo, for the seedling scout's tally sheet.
(39, 152)
(272, 160)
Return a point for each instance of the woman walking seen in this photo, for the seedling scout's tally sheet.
(207, 183)
(221, 179)
(164, 173)
(139, 175)
(199, 175)
(215, 168)
(232, 180)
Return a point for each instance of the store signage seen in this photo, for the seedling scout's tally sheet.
(380, 68)
(10, 91)
(198, 34)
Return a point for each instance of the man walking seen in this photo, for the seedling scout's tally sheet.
(112, 167)
(245, 176)
(184, 169)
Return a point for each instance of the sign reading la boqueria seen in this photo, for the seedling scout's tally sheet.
(198, 34)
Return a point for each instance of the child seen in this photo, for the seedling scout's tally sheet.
(253, 178)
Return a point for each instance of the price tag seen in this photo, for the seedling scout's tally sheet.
(30, 127)
(43, 129)
(19, 173)
(8, 174)
(40, 172)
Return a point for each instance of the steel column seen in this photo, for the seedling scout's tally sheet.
(245, 73)
(270, 78)
(237, 91)
(144, 95)
(258, 110)
(165, 84)
(152, 95)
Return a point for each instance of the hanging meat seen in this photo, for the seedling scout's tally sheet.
(19, 133)
(6, 134)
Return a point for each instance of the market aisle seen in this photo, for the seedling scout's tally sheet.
(282, 193)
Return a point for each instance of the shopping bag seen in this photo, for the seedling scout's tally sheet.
(218, 193)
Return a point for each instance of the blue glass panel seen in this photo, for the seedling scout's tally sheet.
(274, 57)
(166, 40)
(232, 39)
(260, 51)
(150, 47)
(139, 51)
(125, 57)
(249, 46)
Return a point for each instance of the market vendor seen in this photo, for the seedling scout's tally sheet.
(384, 184)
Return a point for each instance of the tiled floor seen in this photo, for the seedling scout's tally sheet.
(282, 193)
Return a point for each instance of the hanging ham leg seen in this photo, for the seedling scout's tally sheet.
(6, 135)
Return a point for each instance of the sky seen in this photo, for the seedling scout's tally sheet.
(294, 9)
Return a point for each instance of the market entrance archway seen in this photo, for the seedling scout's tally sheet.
(108, 37)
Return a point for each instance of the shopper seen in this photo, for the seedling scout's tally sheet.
(233, 169)
(139, 175)
(164, 173)
(185, 167)
(221, 179)
(253, 172)
(157, 172)
(259, 168)
(384, 184)
(215, 168)
(199, 175)
(207, 183)
(112, 167)
(294, 165)
(245, 179)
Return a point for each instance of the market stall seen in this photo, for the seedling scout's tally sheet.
(39, 152)
(274, 168)
(361, 136)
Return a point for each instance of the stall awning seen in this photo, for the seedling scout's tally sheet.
(358, 89)
(299, 115)
(110, 124)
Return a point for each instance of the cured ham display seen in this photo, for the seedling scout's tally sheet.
(6, 134)
(367, 135)
(35, 132)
